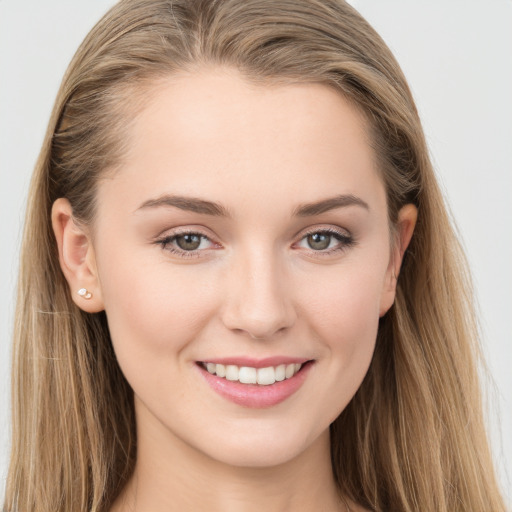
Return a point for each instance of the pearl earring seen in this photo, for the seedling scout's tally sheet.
(84, 293)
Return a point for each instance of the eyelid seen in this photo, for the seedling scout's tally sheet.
(165, 241)
(345, 238)
(192, 229)
(336, 230)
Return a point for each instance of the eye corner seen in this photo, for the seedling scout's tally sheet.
(334, 242)
(169, 242)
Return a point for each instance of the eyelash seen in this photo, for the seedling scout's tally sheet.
(166, 242)
(346, 241)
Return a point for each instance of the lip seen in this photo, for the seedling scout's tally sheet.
(253, 395)
(257, 363)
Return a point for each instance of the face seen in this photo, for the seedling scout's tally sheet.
(244, 238)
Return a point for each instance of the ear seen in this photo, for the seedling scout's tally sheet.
(76, 257)
(407, 217)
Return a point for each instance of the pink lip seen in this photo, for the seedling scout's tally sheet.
(254, 395)
(257, 363)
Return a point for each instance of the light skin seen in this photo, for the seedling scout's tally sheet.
(295, 259)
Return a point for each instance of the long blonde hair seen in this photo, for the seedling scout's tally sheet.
(413, 437)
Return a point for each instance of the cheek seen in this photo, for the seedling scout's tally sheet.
(345, 319)
(155, 309)
(345, 313)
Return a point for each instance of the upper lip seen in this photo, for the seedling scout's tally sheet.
(257, 363)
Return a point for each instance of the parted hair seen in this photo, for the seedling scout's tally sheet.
(413, 437)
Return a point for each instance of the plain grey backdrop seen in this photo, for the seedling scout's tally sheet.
(457, 56)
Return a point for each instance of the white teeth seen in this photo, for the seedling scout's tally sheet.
(220, 370)
(290, 370)
(232, 372)
(248, 375)
(266, 376)
(281, 372)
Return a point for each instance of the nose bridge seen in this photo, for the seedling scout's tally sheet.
(258, 299)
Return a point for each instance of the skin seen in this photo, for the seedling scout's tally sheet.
(254, 287)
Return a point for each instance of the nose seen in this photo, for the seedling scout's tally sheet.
(258, 300)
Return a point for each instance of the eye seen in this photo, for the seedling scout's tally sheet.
(319, 241)
(189, 241)
(186, 244)
(326, 241)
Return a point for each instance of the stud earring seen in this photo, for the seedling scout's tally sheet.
(83, 292)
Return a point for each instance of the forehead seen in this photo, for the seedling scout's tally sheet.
(213, 132)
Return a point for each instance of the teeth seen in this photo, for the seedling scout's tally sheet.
(232, 372)
(249, 375)
(281, 372)
(220, 370)
(290, 370)
(266, 376)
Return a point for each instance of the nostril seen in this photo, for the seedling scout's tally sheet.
(259, 308)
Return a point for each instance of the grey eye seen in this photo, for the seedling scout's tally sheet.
(188, 242)
(319, 241)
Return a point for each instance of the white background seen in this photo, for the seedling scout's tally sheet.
(457, 56)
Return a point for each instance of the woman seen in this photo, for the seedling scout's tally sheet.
(239, 285)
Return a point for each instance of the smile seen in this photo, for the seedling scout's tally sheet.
(249, 375)
(255, 384)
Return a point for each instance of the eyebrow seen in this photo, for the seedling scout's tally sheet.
(190, 204)
(202, 206)
(325, 205)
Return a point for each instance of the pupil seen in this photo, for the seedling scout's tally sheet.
(319, 241)
(188, 242)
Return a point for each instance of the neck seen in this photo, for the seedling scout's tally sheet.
(173, 476)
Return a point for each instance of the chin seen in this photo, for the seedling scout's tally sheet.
(264, 447)
(249, 457)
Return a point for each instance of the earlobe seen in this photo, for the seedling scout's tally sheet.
(76, 258)
(407, 218)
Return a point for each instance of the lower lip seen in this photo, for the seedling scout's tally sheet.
(254, 395)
